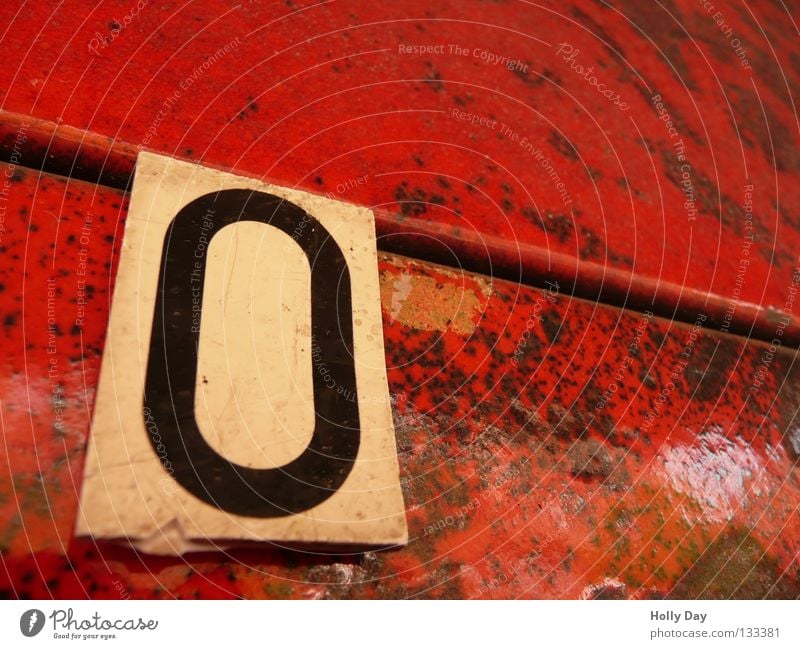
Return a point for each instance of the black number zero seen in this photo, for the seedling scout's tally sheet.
(170, 383)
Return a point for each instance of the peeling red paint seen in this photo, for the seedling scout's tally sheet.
(517, 482)
(549, 447)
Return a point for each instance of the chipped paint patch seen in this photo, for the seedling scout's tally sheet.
(401, 288)
(432, 298)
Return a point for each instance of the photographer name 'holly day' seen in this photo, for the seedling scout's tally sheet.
(677, 616)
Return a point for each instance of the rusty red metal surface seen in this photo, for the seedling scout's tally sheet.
(638, 153)
(549, 447)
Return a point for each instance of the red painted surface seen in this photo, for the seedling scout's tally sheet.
(319, 94)
(549, 447)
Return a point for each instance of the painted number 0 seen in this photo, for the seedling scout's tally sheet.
(172, 364)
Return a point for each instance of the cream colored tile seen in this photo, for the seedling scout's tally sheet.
(259, 390)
